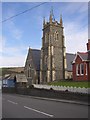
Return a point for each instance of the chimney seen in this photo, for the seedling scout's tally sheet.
(88, 45)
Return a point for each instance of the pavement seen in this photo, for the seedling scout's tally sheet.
(22, 106)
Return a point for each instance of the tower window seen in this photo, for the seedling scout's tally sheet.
(56, 36)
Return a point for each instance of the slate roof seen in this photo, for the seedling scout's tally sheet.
(36, 54)
(84, 56)
(9, 76)
(21, 78)
(69, 57)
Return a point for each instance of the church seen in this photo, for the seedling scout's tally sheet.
(51, 63)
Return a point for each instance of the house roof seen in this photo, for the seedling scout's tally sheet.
(36, 54)
(21, 78)
(83, 55)
(8, 76)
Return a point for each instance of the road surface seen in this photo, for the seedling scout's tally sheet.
(16, 106)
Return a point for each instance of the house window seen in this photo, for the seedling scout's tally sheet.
(78, 69)
(81, 68)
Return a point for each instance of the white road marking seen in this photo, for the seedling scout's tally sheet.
(38, 111)
(12, 102)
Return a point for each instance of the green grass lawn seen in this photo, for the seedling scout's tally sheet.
(71, 83)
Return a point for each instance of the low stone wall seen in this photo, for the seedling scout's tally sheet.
(47, 93)
(8, 90)
(64, 88)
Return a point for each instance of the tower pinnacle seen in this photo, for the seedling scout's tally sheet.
(43, 21)
(61, 22)
(50, 19)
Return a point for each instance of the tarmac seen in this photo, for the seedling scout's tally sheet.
(58, 100)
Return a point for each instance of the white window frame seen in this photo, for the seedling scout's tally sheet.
(77, 66)
(86, 68)
(81, 69)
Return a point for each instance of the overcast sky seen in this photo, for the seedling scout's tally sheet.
(26, 29)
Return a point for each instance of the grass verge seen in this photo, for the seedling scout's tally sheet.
(71, 83)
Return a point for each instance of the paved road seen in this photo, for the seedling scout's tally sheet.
(15, 106)
(0, 104)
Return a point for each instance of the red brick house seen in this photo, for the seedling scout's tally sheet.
(81, 65)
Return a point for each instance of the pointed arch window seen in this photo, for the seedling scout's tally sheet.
(81, 68)
(56, 36)
(78, 69)
(86, 69)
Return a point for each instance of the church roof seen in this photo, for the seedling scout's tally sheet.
(36, 54)
(36, 59)
(69, 58)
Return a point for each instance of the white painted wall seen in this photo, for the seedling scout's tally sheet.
(64, 88)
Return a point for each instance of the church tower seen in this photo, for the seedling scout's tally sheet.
(53, 55)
